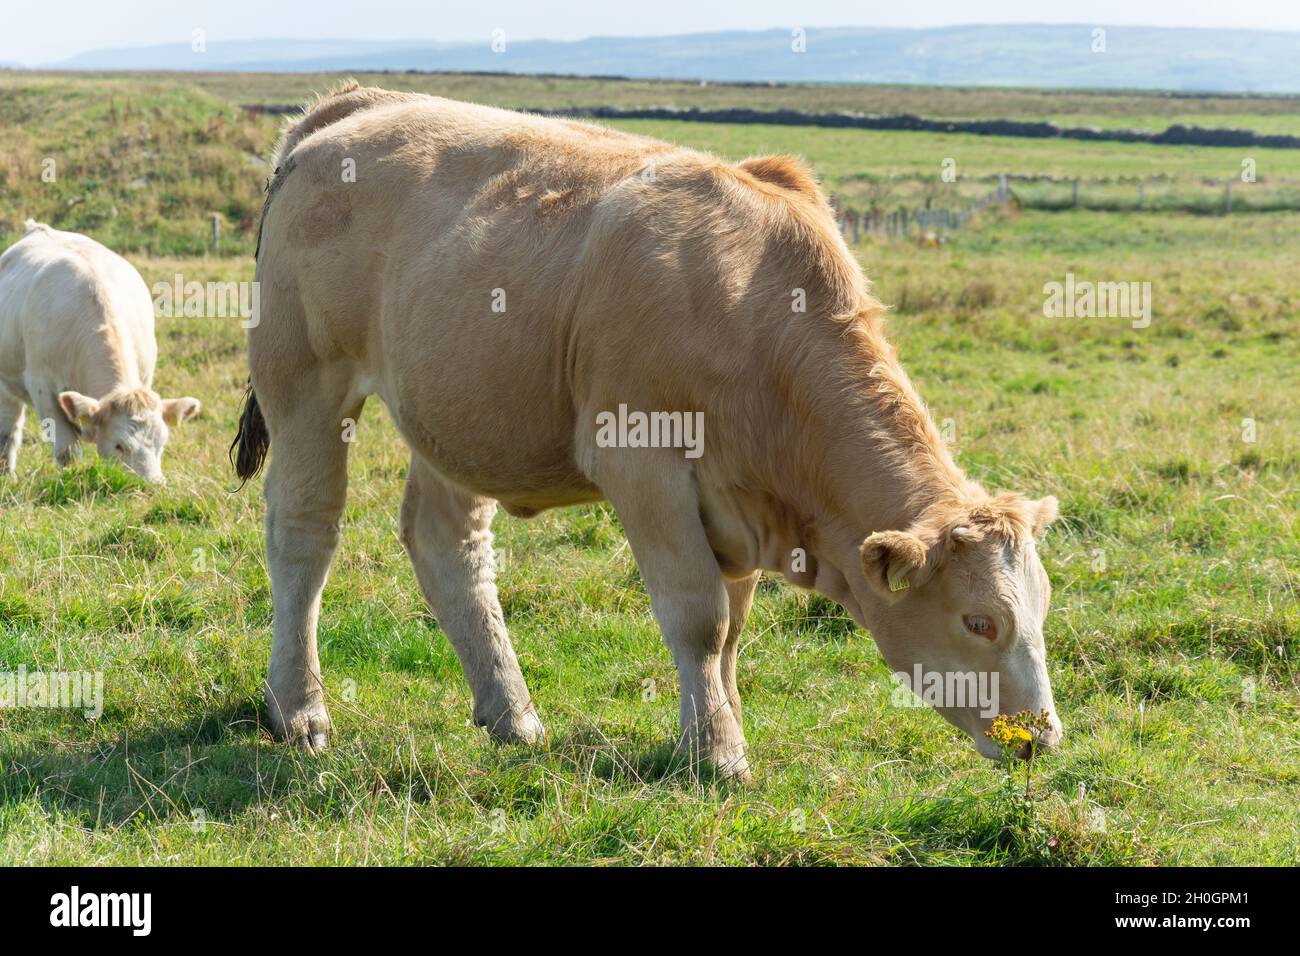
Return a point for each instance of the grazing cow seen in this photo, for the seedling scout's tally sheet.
(517, 290)
(77, 344)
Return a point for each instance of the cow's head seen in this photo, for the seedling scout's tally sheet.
(963, 595)
(129, 425)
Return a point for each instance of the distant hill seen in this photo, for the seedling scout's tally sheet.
(1004, 55)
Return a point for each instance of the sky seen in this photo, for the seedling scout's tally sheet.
(34, 32)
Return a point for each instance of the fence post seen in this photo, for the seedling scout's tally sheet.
(1002, 186)
(1141, 195)
(1227, 195)
(857, 226)
(216, 231)
(1074, 193)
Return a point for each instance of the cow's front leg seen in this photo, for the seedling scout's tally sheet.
(447, 532)
(740, 597)
(12, 413)
(53, 424)
(659, 509)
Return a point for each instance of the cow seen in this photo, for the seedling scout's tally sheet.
(515, 289)
(77, 344)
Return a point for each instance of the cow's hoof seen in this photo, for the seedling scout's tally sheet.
(513, 728)
(722, 760)
(313, 742)
(68, 456)
(733, 766)
(307, 727)
(737, 771)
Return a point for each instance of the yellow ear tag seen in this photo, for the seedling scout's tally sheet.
(902, 584)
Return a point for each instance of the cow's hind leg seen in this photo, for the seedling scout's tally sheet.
(660, 512)
(447, 533)
(12, 413)
(305, 491)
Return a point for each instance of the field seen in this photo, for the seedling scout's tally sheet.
(1173, 639)
(1105, 110)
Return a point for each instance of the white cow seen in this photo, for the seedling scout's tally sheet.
(77, 344)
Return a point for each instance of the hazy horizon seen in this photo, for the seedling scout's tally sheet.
(36, 35)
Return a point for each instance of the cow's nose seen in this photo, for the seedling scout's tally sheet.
(1047, 740)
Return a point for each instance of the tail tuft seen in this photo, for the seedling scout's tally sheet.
(248, 450)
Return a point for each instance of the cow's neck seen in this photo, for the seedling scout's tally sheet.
(99, 364)
(878, 460)
(849, 450)
(859, 453)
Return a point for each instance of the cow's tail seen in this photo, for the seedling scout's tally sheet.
(248, 450)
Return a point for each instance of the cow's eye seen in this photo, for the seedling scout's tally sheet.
(980, 626)
(120, 449)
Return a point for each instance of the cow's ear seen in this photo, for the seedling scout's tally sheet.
(892, 560)
(78, 407)
(177, 410)
(1045, 512)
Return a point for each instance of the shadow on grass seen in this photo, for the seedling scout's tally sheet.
(636, 761)
(646, 792)
(651, 761)
(151, 776)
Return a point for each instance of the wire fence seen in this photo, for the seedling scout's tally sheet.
(903, 220)
(924, 223)
(1205, 196)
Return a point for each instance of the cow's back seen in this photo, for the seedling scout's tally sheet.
(494, 276)
(448, 272)
(410, 195)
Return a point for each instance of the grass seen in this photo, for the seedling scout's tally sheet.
(1172, 641)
